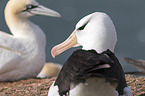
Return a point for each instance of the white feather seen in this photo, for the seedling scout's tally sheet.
(99, 34)
(92, 87)
(22, 54)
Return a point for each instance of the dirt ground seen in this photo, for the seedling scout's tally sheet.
(39, 87)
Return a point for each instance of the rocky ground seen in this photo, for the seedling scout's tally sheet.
(137, 84)
(39, 87)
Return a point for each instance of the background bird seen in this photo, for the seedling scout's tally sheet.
(88, 72)
(139, 64)
(22, 54)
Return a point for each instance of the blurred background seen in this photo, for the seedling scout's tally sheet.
(127, 15)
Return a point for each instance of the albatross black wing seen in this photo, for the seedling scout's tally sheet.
(116, 71)
(82, 65)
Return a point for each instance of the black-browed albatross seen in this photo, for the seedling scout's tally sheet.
(94, 70)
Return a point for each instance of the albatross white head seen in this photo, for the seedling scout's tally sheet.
(17, 13)
(95, 31)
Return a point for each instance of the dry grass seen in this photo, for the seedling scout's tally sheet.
(39, 87)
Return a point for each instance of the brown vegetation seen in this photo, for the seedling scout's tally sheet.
(39, 87)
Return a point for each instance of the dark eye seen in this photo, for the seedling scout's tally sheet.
(29, 6)
(82, 27)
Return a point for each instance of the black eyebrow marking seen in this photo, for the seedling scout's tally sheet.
(82, 27)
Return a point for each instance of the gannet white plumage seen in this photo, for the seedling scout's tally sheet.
(22, 54)
(95, 70)
(50, 70)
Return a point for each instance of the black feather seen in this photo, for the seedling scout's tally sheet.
(82, 65)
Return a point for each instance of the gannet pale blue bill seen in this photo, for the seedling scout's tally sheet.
(93, 70)
(22, 54)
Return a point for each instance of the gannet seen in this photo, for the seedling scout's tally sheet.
(93, 70)
(139, 64)
(50, 70)
(22, 54)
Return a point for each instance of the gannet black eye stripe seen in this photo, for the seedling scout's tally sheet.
(29, 6)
